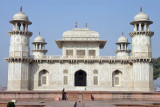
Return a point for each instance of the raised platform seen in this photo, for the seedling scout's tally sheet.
(79, 95)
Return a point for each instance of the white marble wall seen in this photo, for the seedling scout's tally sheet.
(141, 46)
(105, 71)
(19, 46)
(18, 76)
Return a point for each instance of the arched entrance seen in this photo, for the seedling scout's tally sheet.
(80, 78)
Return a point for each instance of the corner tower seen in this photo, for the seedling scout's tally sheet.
(142, 53)
(141, 36)
(19, 53)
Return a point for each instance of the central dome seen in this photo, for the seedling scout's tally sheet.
(80, 34)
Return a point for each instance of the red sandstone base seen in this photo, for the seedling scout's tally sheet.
(78, 95)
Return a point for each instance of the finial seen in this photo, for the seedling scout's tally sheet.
(122, 33)
(141, 9)
(85, 24)
(76, 25)
(39, 33)
(21, 9)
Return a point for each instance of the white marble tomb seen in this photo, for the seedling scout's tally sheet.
(80, 67)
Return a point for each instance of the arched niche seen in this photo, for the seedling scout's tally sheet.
(43, 78)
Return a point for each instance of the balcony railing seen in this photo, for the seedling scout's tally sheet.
(50, 57)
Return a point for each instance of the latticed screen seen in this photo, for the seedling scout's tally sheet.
(116, 80)
(80, 52)
(44, 80)
(92, 52)
(69, 52)
(65, 80)
(95, 80)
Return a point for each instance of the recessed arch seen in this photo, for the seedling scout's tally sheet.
(80, 78)
(116, 78)
(43, 77)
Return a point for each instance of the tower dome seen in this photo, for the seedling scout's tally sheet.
(122, 39)
(141, 17)
(20, 16)
(39, 39)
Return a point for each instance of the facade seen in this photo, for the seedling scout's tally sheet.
(80, 67)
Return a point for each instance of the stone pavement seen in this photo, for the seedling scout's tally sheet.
(108, 103)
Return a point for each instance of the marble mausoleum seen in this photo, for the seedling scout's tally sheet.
(80, 67)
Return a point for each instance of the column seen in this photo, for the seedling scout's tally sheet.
(21, 26)
(118, 47)
(121, 46)
(135, 27)
(36, 46)
(40, 46)
(145, 27)
(26, 27)
(125, 47)
(140, 27)
(13, 26)
(16, 26)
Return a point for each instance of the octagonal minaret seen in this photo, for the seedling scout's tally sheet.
(142, 53)
(39, 47)
(123, 46)
(141, 36)
(19, 53)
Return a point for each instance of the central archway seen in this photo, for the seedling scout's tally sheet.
(80, 78)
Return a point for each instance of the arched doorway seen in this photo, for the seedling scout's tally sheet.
(80, 78)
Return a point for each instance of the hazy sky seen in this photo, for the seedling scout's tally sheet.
(52, 17)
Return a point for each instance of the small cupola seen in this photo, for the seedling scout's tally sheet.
(39, 46)
(122, 46)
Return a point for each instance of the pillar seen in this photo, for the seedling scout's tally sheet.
(40, 46)
(26, 27)
(118, 46)
(16, 25)
(135, 27)
(21, 26)
(140, 27)
(145, 27)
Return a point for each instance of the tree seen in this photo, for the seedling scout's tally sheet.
(156, 68)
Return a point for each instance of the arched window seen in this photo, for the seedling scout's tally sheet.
(95, 77)
(43, 78)
(116, 78)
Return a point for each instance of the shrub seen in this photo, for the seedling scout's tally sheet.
(10, 104)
